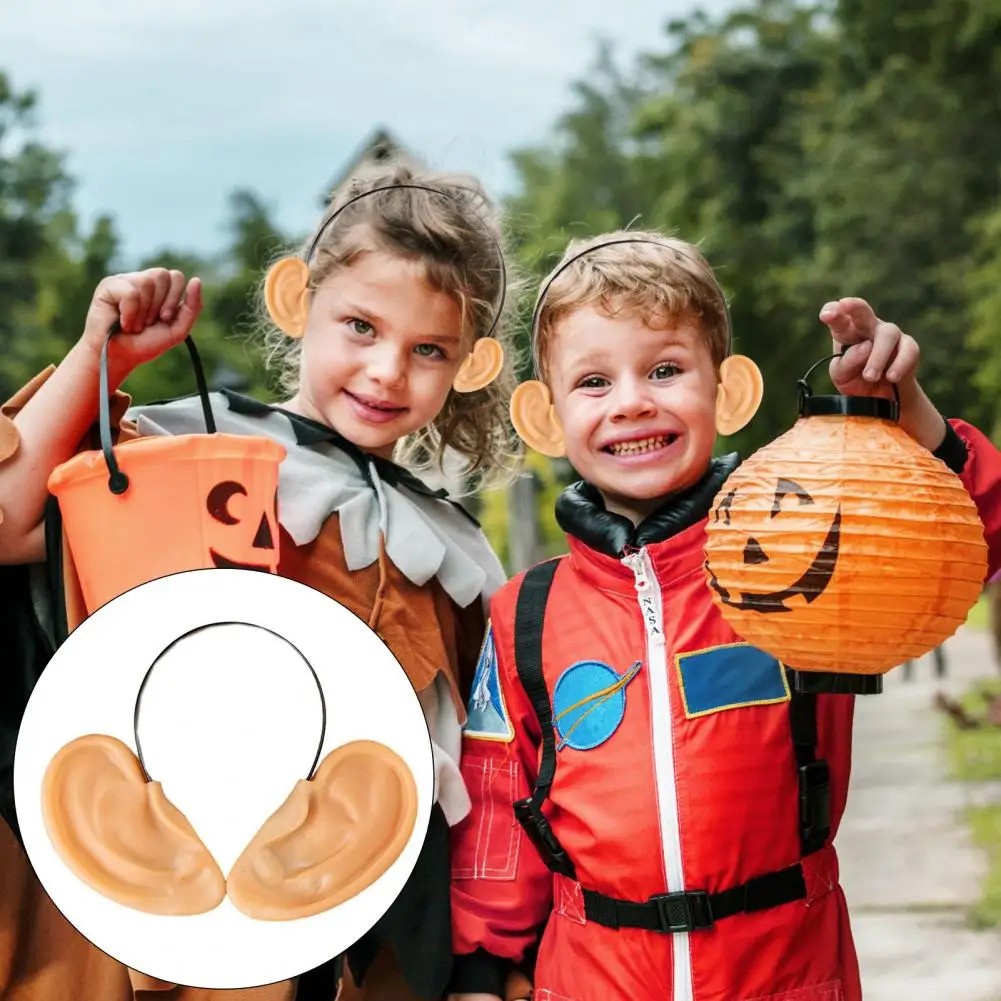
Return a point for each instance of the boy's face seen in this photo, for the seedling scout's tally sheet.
(637, 405)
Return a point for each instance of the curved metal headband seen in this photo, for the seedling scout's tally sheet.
(590, 250)
(209, 625)
(498, 309)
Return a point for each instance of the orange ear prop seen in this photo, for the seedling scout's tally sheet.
(535, 420)
(481, 367)
(738, 396)
(334, 836)
(286, 290)
(338, 831)
(121, 835)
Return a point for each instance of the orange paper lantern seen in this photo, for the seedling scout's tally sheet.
(843, 546)
(160, 505)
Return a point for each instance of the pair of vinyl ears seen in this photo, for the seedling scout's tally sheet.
(738, 396)
(739, 392)
(286, 294)
(334, 836)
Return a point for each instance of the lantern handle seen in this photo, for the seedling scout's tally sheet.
(118, 482)
(848, 406)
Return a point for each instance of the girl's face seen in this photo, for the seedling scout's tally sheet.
(380, 352)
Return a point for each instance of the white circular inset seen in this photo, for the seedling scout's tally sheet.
(229, 724)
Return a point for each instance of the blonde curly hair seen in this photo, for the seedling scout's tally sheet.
(640, 272)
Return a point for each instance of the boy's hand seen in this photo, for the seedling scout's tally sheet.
(879, 356)
(882, 353)
(156, 310)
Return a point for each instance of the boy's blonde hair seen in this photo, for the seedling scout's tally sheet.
(640, 272)
(459, 241)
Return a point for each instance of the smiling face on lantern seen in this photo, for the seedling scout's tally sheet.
(814, 577)
(235, 541)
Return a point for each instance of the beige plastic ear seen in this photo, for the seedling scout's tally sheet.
(535, 420)
(10, 438)
(332, 838)
(738, 396)
(481, 367)
(286, 292)
(119, 833)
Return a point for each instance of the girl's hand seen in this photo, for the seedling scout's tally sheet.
(156, 310)
(877, 352)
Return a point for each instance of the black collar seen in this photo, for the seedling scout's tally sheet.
(309, 432)
(580, 512)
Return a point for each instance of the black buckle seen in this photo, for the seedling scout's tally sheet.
(683, 911)
(815, 800)
(541, 835)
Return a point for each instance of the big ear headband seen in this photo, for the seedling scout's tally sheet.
(337, 832)
(590, 250)
(534, 418)
(286, 293)
(434, 191)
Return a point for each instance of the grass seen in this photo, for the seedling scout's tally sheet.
(975, 756)
(979, 617)
(985, 822)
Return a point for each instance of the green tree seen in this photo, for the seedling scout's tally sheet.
(36, 221)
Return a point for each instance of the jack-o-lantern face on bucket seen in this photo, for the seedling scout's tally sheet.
(815, 578)
(239, 542)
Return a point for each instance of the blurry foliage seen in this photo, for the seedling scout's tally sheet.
(813, 151)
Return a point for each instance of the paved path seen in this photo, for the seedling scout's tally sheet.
(908, 865)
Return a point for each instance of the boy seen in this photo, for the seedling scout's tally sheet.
(669, 854)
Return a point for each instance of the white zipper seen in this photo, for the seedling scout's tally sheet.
(649, 597)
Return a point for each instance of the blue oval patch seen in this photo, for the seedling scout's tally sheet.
(589, 703)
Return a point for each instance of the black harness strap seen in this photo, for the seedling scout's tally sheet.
(529, 617)
(683, 911)
(814, 774)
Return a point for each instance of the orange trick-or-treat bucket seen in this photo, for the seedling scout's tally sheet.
(159, 505)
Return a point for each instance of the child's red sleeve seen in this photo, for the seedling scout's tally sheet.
(501, 889)
(970, 454)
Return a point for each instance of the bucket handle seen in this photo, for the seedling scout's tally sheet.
(118, 482)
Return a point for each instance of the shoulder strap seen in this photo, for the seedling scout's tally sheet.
(529, 616)
(814, 774)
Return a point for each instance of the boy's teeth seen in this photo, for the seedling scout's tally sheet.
(643, 445)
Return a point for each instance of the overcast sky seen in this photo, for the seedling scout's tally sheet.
(165, 107)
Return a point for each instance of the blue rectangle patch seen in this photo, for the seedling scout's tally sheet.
(728, 677)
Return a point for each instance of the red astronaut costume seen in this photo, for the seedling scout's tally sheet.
(689, 821)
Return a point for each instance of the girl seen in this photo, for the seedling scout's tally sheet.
(388, 328)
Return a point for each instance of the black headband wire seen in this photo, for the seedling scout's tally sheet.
(499, 309)
(590, 250)
(209, 625)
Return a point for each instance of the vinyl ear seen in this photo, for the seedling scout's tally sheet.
(739, 393)
(535, 420)
(481, 367)
(120, 835)
(286, 291)
(333, 837)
